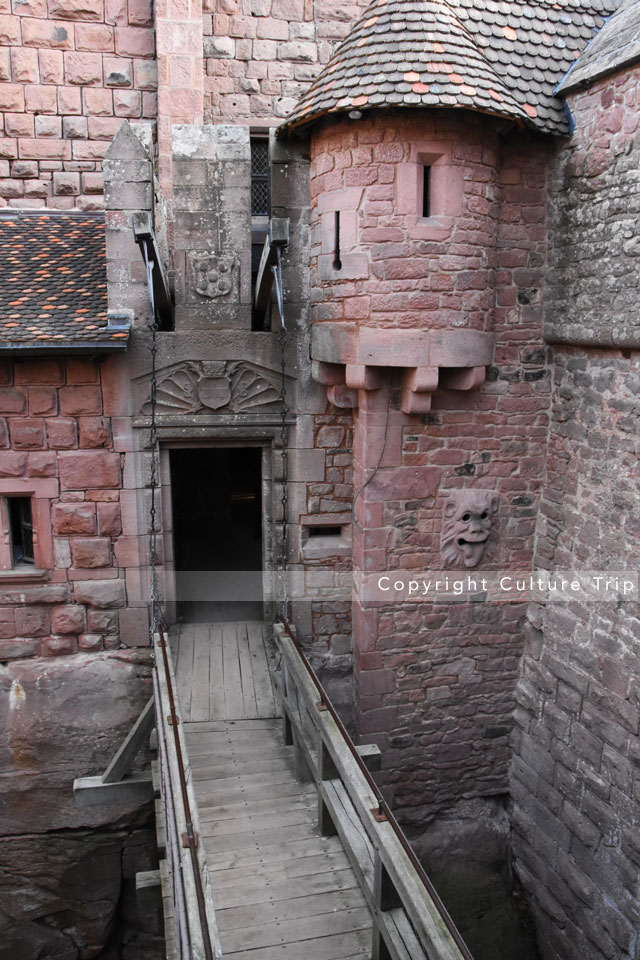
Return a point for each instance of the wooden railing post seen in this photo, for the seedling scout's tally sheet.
(326, 771)
(287, 732)
(385, 897)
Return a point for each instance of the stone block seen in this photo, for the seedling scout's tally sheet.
(68, 619)
(118, 72)
(66, 185)
(32, 621)
(140, 13)
(94, 432)
(51, 66)
(104, 594)
(58, 646)
(73, 518)
(24, 169)
(103, 128)
(91, 552)
(127, 103)
(134, 626)
(18, 648)
(7, 623)
(128, 196)
(11, 189)
(42, 465)
(92, 183)
(45, 149)
(48, 126)
(128, 551)
(85, 399)
(39, 372)
(9, 30)
(95, 37)
(219, 47)
(12, 97)
(135, 42)
(27, 433)
(12, 400)
(98, 102)
(102, 621)
(69, 100)
(90, 642)
(77, 9)
(24, 65)
(62, 434)
(109, 521)
(82, 471)
(75, 128)
(83, 68)
(145, 74)
(61, 554)
(47, 33)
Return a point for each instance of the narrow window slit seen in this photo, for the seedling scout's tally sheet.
(337, 262)
(426, 191)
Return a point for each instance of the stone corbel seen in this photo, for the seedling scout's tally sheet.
(348, 359)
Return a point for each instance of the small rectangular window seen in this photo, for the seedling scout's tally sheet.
(325, 531)
(21, 529)
(426, 191)
(259, 177)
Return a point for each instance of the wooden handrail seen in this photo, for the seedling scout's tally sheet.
(410, 921)
(200, 940)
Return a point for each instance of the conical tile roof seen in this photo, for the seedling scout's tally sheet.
(486, 55)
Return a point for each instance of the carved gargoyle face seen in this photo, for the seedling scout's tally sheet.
(213, 275)
(468, 527)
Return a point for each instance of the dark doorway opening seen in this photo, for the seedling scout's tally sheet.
(216, 495)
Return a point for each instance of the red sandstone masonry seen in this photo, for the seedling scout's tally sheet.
(435, 681)
(576, 742)
(69, 73)
(67, 462)
(259, 62)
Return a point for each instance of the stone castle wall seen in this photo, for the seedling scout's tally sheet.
(435, 681)
(60, 448)
(576, 750)
(70, 71)
(261, 56)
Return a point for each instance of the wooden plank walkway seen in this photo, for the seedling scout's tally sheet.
(282, 891)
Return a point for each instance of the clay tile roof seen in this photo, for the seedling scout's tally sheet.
(617, 45)
(503, 58)
(53, 284)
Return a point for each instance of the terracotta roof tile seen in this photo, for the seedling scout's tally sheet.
(53, 280)
(487, 55)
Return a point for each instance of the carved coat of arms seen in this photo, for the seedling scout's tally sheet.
(213, 275)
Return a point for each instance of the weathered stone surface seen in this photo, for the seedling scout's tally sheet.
(103, 594)
(80, 471)
(69, 895)
(63, 718)
(592, 279)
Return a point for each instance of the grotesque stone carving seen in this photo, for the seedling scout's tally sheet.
(469, 531)
(212, 274)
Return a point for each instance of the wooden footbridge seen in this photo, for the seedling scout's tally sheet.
(276, 843)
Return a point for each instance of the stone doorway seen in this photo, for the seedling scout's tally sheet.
(216, 505)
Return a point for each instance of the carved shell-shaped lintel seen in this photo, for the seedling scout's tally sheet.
(176, 393)
(250, 389)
